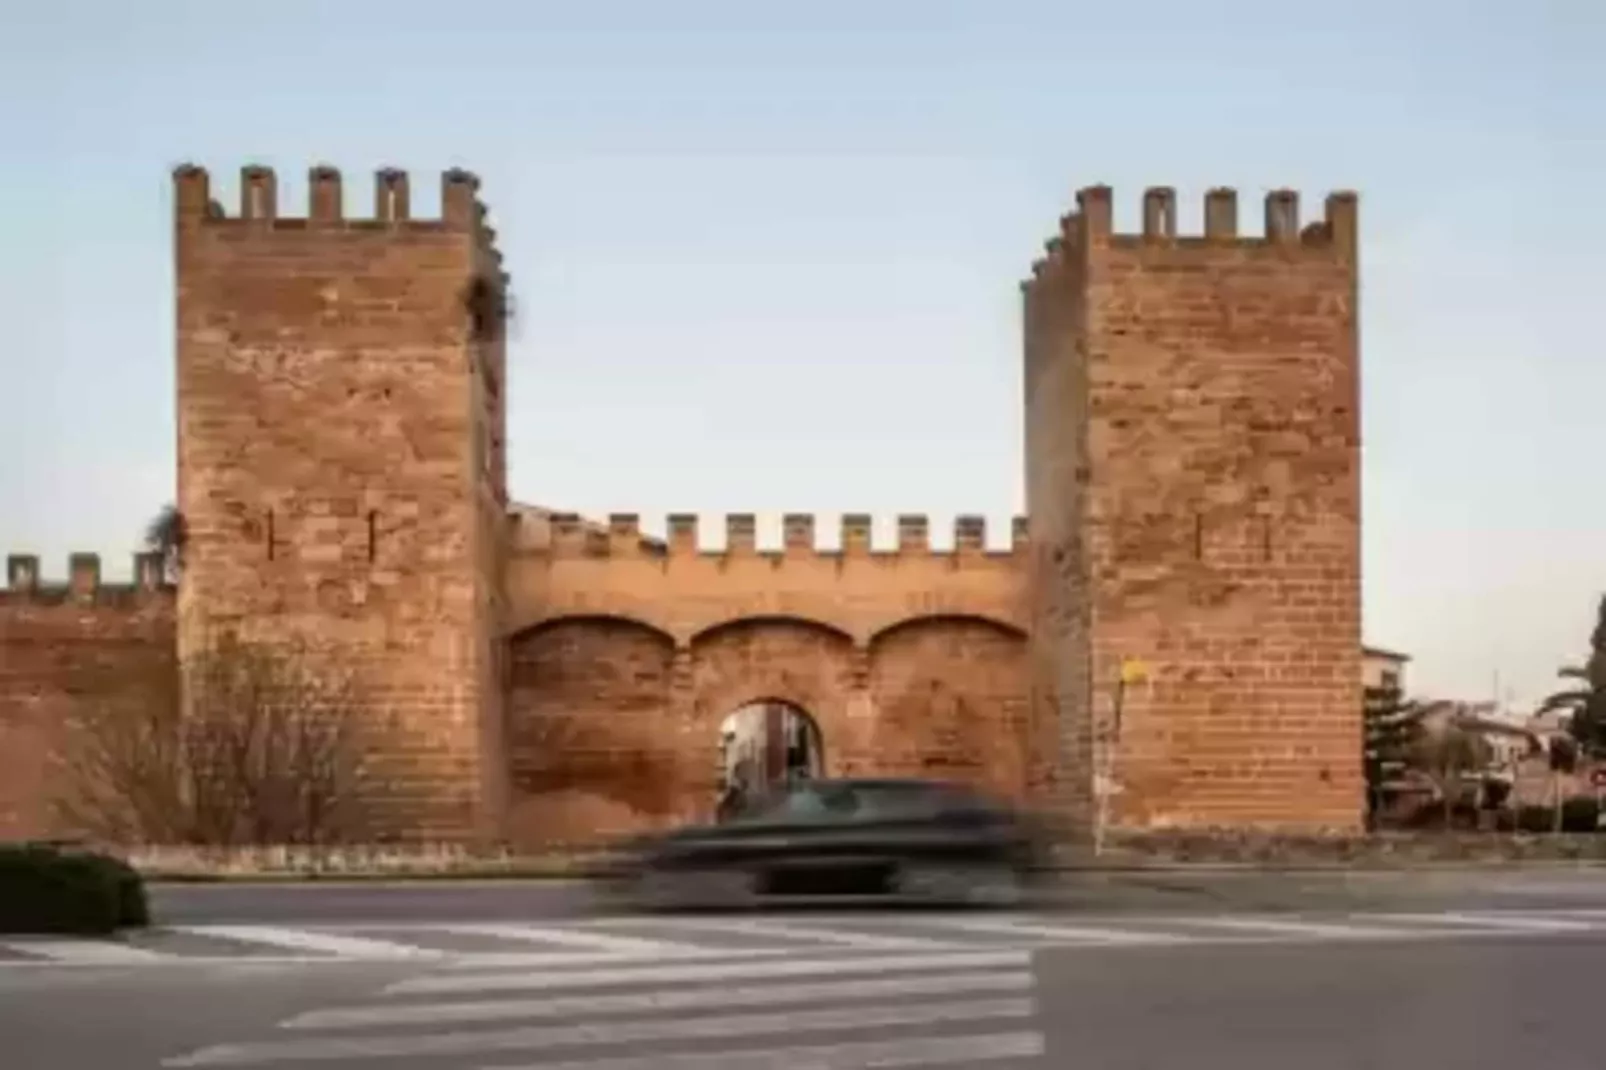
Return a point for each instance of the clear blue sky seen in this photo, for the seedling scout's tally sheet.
(766, 253)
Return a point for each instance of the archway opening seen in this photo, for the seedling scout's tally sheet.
(764, 747)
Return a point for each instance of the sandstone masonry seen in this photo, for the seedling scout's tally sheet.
(1193, 482)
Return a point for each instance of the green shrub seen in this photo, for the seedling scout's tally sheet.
(44, 889)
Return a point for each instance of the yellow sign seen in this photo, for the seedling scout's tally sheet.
(1133, 671)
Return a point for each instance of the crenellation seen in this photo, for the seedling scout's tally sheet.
(682, 529)
(801, 537)
(624, 532)
(325, 200)
(1160, 213)
(568, 532)
(1019, 534)
(1341, 217)
(914, 533)
(1091, 223)
(1221, 214)
(798, 533)
(259, 193)
(85, 581)
(741, 533)
(460, 206)
(1282, 216)
(970, 534)
(259, 204)
(1095, 214)
(391, 198)
(858, 530)
(83, 575)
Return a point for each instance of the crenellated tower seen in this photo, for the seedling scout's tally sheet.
(341, 430)
(1193, 482)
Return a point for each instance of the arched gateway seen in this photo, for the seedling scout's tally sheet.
(628, 657)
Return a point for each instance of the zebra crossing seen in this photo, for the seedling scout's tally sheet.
(751, 992)
(583, 942)
(840, 1010)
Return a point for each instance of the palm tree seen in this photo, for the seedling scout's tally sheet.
(1584, 703)
(165, 535)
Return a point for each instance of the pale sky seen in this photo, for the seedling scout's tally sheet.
(766, 254)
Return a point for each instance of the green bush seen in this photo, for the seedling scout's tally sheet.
(45, 889)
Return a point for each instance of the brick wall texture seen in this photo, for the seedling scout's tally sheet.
(1193, 485)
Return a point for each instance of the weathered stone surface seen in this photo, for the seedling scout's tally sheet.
(333, 469)
(1193, 454)
(60, 646)
(1192, 449)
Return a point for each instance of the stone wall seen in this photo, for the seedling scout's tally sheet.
(1205, 510)
(60, 643)
(1192, 454)
(631, 653)
(338, 461)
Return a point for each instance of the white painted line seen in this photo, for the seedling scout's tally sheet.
(865, 1055)
(833, 966)
(79, 953)
(480, 960)
(774, 930)
(418, 1046)
(1494, 921)
(585, 939)
(323, 943)
(1075, 934)
(1305, 930)
(837, 990)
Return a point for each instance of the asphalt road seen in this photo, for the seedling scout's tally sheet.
(1246, 971)
(1105, 892)
(1489, 1005)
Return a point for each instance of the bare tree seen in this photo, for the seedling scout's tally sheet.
(257, 747)
(1447, 754)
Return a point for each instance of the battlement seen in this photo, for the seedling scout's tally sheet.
(24, 581)
(1092, 225)
(259, 203)
(573, 536)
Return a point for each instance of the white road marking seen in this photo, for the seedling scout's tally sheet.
(322, 943)
(774, 930)
(520, 960)
(1298, 930)
(1494, 921)
(865, 1055)
(603, 977)
(837, 990)
(573, 937)
(723, 1027)
(81, 952)
(1033, 930)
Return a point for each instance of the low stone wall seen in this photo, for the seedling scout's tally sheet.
(353, 862)
(1185, 850)
(1383, 850)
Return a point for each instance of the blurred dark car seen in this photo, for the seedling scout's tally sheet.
(926, 840)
